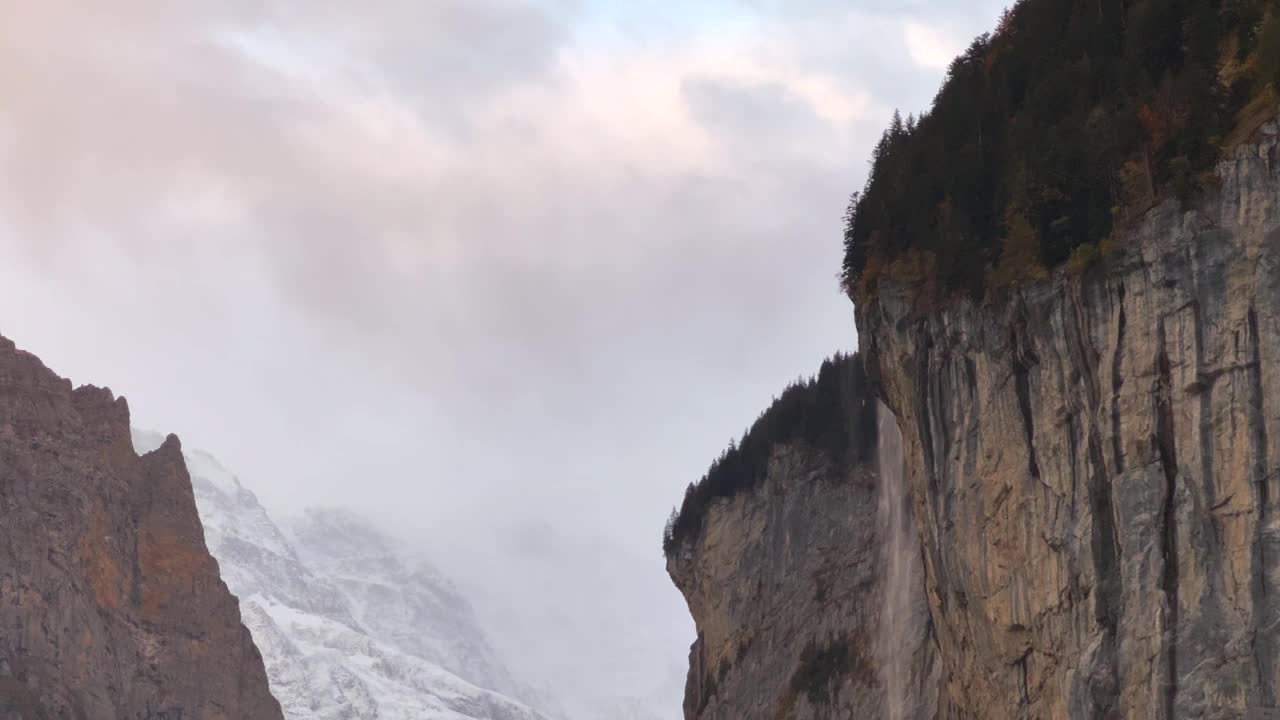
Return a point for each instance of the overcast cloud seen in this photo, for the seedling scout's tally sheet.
(489, 270)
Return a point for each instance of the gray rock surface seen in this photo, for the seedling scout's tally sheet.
(111, 607)
(1095, 467)
(785, 584)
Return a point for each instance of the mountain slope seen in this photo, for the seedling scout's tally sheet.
(1054, 135)
(110, 603)
(349, 629)
(400, 600)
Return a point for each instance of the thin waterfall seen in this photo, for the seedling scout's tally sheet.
(897, 631)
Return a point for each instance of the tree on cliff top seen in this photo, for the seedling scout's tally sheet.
(1070, 118)
(833, 412)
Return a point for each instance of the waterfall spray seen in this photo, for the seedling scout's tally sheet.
(901, 550)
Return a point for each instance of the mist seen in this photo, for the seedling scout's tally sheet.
(504, 276)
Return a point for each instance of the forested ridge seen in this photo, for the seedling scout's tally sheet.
(1052, 132)
(833, 412)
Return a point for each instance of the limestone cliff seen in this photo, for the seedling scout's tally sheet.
(1095, 467)
(110, 605)
(784, 577)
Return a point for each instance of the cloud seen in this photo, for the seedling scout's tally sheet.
(929, 47)
(464, 264)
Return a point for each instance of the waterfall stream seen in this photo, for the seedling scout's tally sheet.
(897, 634)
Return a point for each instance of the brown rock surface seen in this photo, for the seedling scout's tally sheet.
(110, 605)
(1095, 467)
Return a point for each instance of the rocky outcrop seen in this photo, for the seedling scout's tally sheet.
(351, 625)
(1095, 467)
(110, 605)
(785, 582)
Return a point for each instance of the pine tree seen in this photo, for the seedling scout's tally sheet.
(1060, 113)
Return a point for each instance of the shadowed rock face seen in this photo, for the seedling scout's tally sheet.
(1093, 465)
(785, 583)
(110, 604)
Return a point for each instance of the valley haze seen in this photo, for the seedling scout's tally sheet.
(500, 276)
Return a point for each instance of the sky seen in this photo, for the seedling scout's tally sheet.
(504, 275)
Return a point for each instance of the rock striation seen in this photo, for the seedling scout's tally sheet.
(1094, 464)
(1093, 468)
(786, 582)
(111, 606)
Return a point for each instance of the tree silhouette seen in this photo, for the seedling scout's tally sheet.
(833, 412)
(1067, 117)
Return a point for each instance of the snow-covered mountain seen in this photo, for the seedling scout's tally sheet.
(399, 599)
(349, 626)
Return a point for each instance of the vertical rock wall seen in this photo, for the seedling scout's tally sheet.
(111, 607)
(786, 583)
(1095, 467)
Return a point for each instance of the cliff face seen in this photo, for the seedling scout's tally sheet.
(110, 604)
(1093, 467)
(785, 582)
